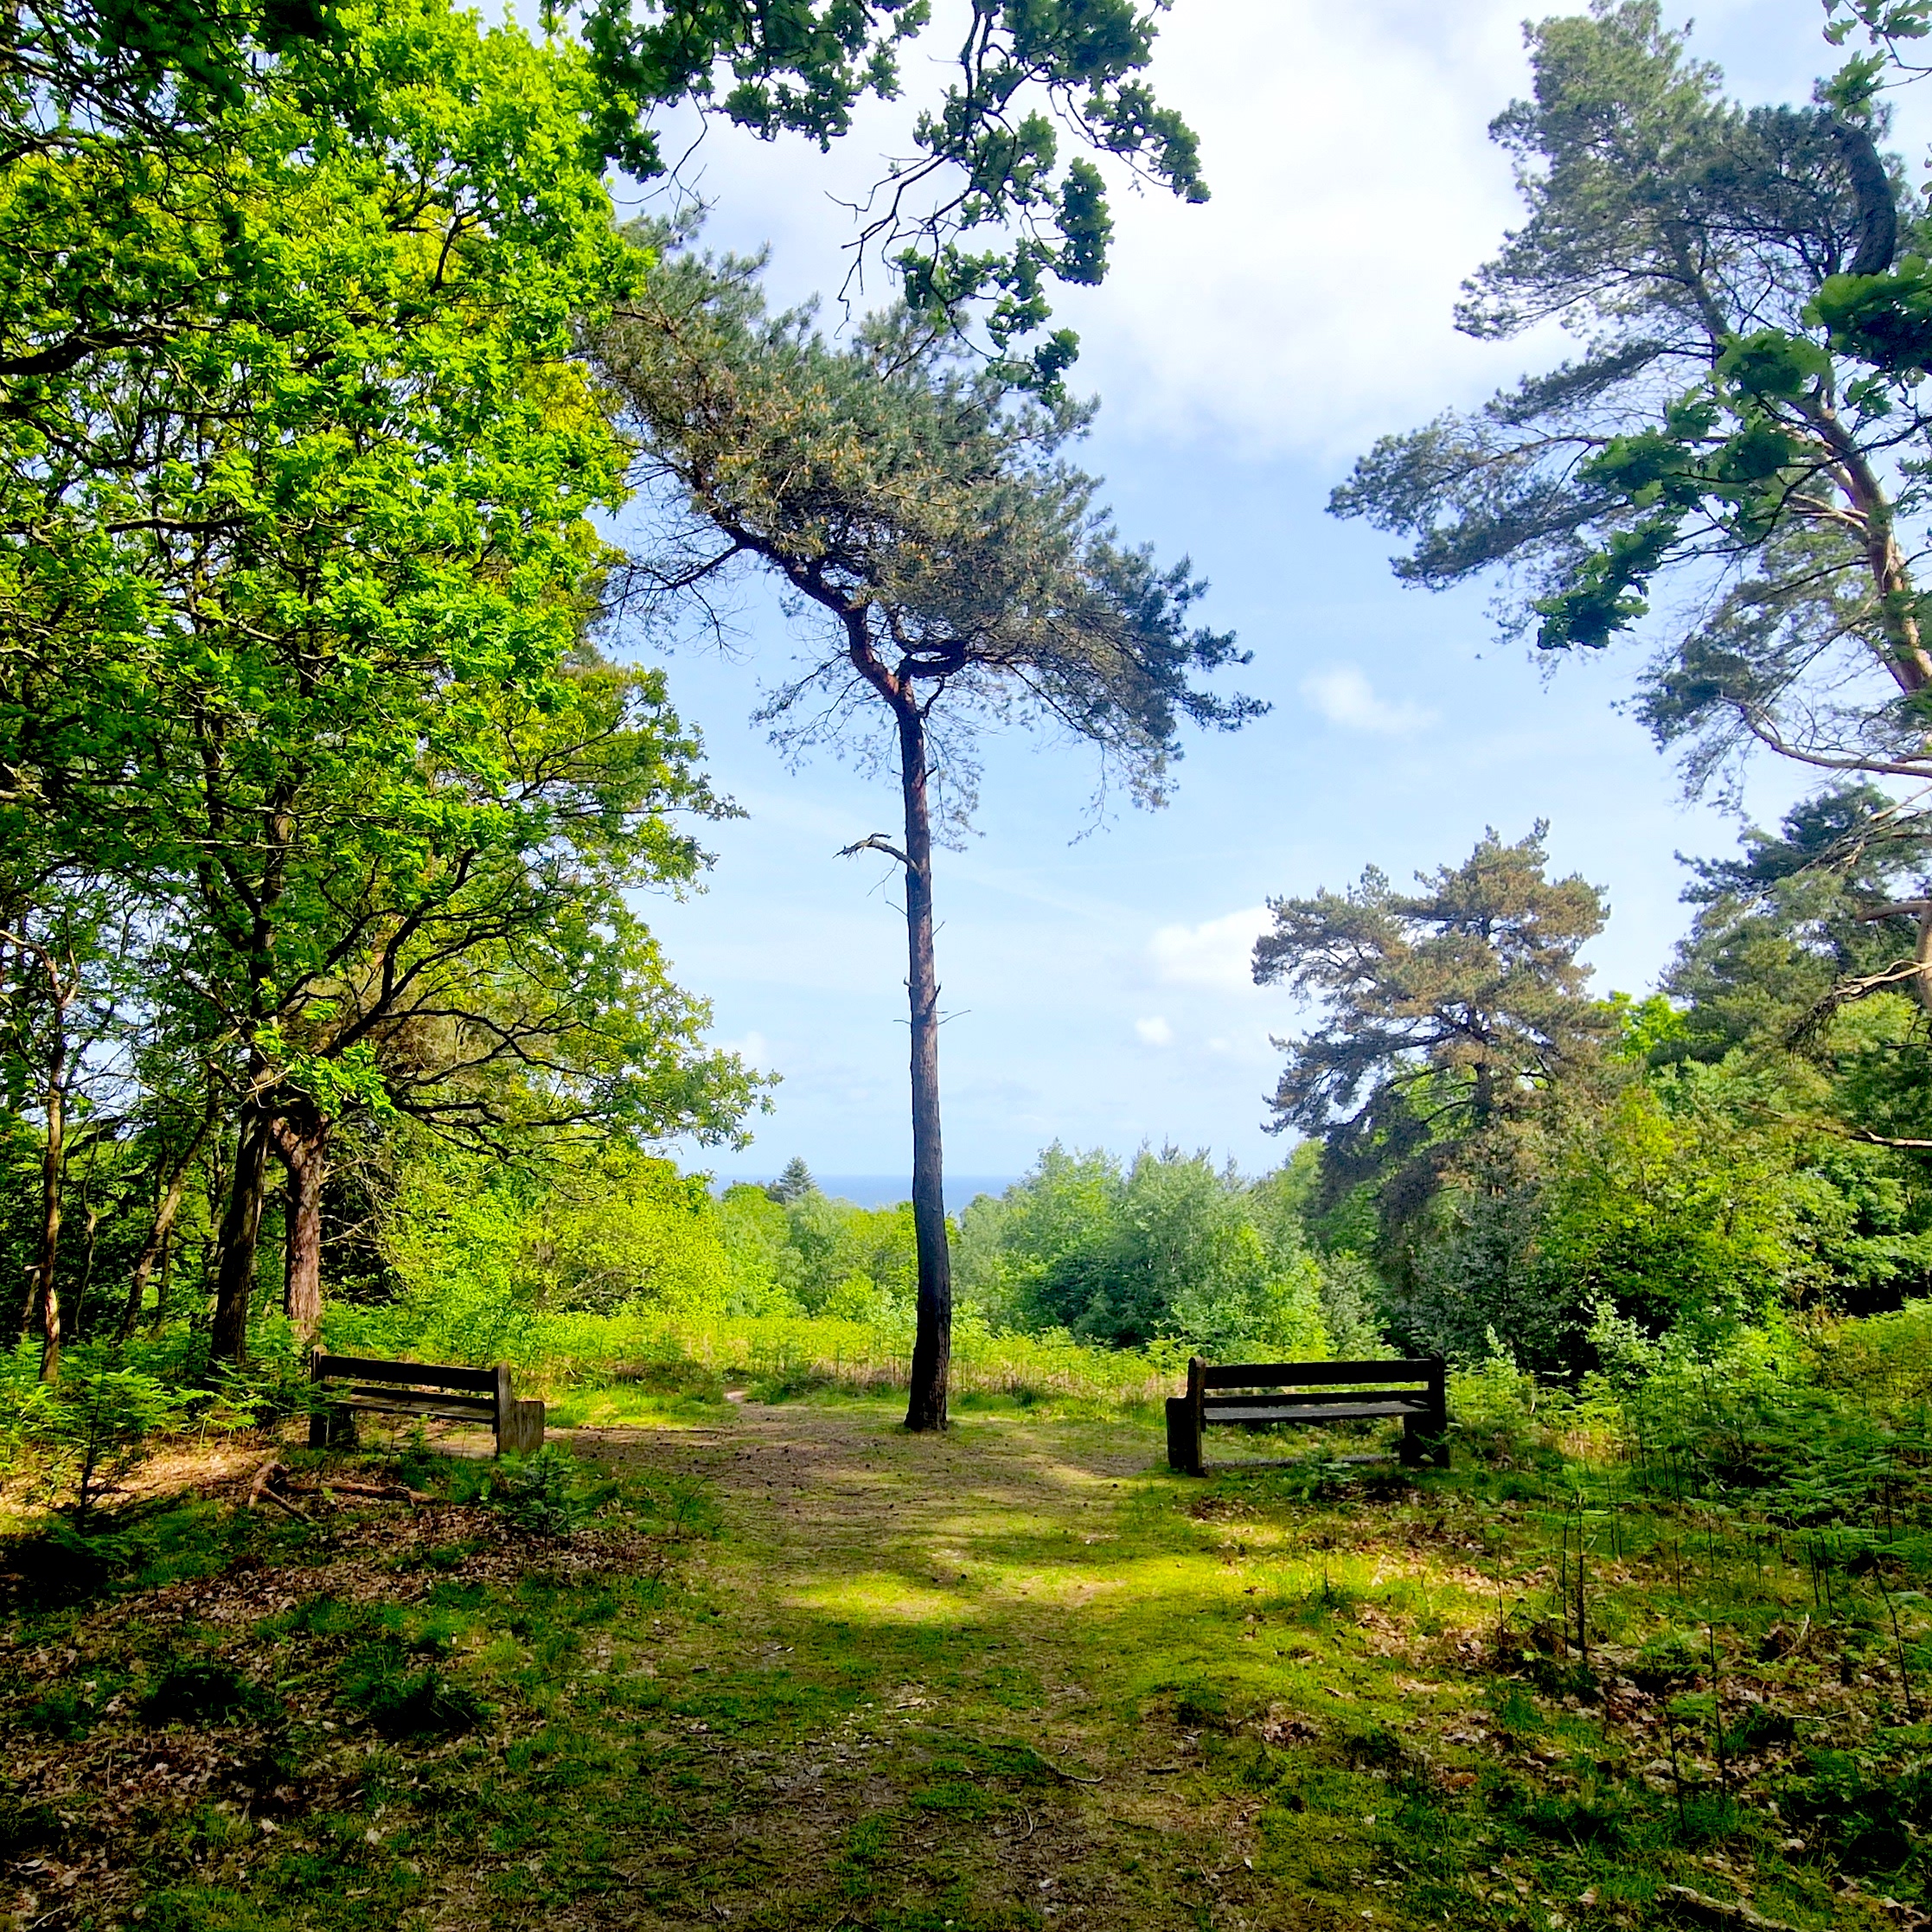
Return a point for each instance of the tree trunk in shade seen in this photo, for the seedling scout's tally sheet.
(933, 1342)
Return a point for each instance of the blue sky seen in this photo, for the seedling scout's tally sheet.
(1243, 352)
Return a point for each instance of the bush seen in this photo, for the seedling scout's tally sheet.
(544, 1494)
(402, 1701)
(89, 1429)
(199, 1691)
(1170, 1247)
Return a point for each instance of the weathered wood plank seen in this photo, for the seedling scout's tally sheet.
(361, 1368)
(1315, 1375)
(1318, 1399)
(408, 1401)
(1286, 1412)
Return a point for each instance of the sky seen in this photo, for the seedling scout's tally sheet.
(1095, 978)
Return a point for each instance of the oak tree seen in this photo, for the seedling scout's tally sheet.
(295, 652)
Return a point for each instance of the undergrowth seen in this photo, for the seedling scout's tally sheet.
(1645, 1655)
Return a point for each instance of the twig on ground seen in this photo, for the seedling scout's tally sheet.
(282, 1503)
(264, 1477)
(384, 1491)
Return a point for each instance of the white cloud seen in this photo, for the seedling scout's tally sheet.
(1315, 290)
(754, 1049)
(1216, 953)
(1344, 696)
(1155, 1031)
(1303, 309)
(1306, 307)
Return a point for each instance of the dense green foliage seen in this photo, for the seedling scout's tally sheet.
(320, 810)
(324, 823)
(1166, 1248)
(1568, 1184)
(322, 819)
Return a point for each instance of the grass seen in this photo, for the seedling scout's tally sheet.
(776, 1665)
(787, 1354)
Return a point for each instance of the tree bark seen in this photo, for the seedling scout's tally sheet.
(303, 1150)
(43, 1309)
(932, 1341)
(166, 1208)
(47, 1294)
(240, 1236)
(161, 1286)
(89, 1248)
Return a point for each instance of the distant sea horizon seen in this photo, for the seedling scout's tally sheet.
(886, 1190)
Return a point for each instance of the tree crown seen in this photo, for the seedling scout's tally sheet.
(912, 499)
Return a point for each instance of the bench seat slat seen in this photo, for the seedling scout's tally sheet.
(362, 1368)
(1279, 1411)
(406, 1402)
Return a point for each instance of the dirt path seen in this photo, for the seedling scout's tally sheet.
(832, 1507)
(938, 1678)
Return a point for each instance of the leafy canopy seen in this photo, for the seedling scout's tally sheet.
(984, 213)
(1745, 418)
(296, 598)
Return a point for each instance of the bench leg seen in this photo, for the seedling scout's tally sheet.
(1184, 1446)
(1179, 1432)
(519, 1431)
(332, 1428)
(1424, 1443)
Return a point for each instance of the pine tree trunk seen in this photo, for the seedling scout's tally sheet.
(303, 1152)
(240, 1236)
(932, 1341)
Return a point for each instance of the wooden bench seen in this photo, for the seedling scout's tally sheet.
(1313, 1394)
(480, 1395)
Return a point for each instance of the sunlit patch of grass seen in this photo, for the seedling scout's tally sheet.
(854, 1675)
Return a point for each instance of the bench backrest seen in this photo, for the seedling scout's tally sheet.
(485, 1393)
(1317, 1375)
(422, 1375)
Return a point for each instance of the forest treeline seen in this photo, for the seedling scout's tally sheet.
(330, 792)
(333, 793)
(1528, 1173)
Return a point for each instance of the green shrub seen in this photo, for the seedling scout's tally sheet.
(404, 1701)
(545, 1495)
(89, 1428)
(197, 1691)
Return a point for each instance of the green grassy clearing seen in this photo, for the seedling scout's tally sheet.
(793, 1667)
